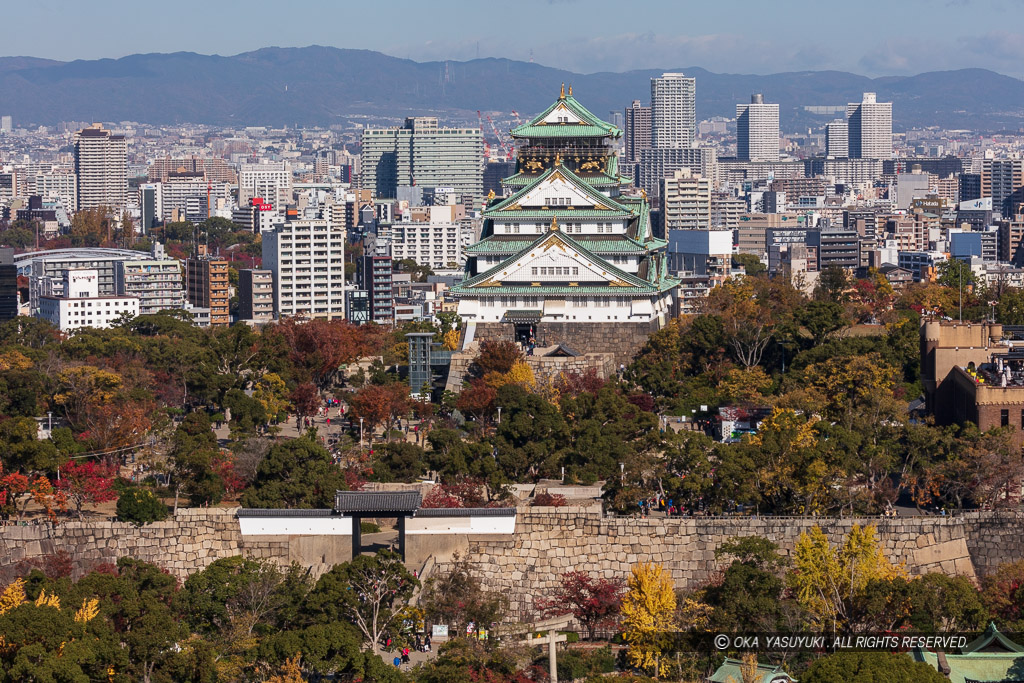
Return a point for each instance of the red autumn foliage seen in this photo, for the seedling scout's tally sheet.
(87, 483)
(575, 383)
(496, 356)
(477, 400)
(594, 602)
(380, 405)
(223, 465)
(305, 399)
(461, 493)
(642, 401)
(549, 500)
(322, 346)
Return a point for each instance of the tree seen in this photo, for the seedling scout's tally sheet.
(235, 594)
(1002, 592)
(752, 311)
(956, 275)
(305, 400)
(890, 667)
(295, 474)
(370, 592)
(477, 399)
(750, 263)
(821, 318)
(458, 599)
(399, 461)
(290, 672)
(381, 405)
(1010, 307)
(22, 451)
(826, 579)
(945, 603)
(140, 506)
(193, 451)
(87, 482)
(318, 348)
(833, 282)
(496, 356)
(647, 611)
(593, 601)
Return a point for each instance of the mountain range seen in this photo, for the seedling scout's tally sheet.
(326, 85)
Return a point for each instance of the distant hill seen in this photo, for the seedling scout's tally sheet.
(323, 85)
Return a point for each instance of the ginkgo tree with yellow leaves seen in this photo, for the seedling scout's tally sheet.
(42, 640)
(826, 579)
(648, 616)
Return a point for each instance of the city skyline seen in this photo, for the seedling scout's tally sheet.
(787, 36)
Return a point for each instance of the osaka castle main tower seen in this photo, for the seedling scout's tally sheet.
(567, 256)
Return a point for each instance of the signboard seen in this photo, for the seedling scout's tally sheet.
(983, 204)
(439, 631)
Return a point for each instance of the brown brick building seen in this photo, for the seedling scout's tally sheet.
(206, 286)
(972, 372)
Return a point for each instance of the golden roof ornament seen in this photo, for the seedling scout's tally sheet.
(490, 195)
(570, 90)
(558, 158)
(554, 224)
(561, 95)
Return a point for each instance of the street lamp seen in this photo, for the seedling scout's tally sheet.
(360, 433)
(499, 414)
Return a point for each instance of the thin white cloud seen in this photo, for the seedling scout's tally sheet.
(1001, 51)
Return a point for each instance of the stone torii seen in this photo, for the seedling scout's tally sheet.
(551, 637)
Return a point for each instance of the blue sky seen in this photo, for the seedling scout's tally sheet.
(872, 37)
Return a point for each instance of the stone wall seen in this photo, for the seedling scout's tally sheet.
(547, 543)
(545, 368)
(551, 541)
(187, 543)
(621, 339)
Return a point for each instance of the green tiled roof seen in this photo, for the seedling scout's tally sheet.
(564, 289)
(575, 180)
(562, 130)
(592, 127)
(560, 213)
(731, 670)
(496, 244)
(977, 666)
(636, 283)
(602, 180)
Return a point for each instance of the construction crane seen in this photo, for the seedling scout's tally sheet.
(515, 115)
(480, 124)
(501, 143)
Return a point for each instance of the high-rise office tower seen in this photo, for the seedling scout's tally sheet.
(757, 130)
(673, 111)
(8, 285)
(6, 124)
(307, 260)
(421, 153)
(1000, 180)
(637, 130)
(101, 168)
(837, 139)
(255, 295)
(685, 201)
(870, 128)
(271, 181)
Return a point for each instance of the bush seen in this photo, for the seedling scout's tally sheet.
(140, 506)
(368, 528)
(549, 500)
